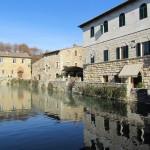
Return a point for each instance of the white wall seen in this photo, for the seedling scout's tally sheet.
(133, 24)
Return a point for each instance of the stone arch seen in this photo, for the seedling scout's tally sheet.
(20, 72)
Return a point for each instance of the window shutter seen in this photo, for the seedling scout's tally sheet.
(118, 53)
(127, 52)
(101, 28)
(138, 50)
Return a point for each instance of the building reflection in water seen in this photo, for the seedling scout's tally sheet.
(58, 106)
(14, 103)
(108, 125)
(107, 129)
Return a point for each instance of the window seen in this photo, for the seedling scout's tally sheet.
(12, 72)
(105, 26)
(92, 32)
(92, 59)
(143, 11)
(1, 60)
(117, 53)
(106, 124)
(14, 60)
(146, 48)
(138, 49)
(105, 78)
(125, 52)
(57, 65)
(105, 55)
(102, 28)
(117, 79)
(22, 60)
(3, 71)
(76, 64)
(122, 20)
(75, 53)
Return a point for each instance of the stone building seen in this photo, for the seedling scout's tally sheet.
(117, 45)
(15, 65)
(51, 66)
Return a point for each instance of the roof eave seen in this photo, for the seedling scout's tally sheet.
(106, 13)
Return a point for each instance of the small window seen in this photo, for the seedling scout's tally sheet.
(125, 52)
(3, 71)
(1, 60)
(146, 48)
(57, 65)
(76, 64)
(12, 72)
(57, 75)
(122, 20)
(138, 49)
(105, 26)
(143, 11)
(106, 55)
(14, 60)
(117, 53)
(22, 60)
(106, 124)
(105, 78)
(92, 32)
(75, 53)
(92, 59)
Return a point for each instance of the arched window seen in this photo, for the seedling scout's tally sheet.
(143, 11)
(122, 20)
(105, 26)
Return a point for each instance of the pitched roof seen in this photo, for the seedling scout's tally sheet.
(14, 55)
(108, 12)
(51, 53)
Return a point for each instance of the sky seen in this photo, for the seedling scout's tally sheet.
(48, 24)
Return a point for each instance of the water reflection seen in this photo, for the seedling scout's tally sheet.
(14, 103)
(116, 128)
(107, 125)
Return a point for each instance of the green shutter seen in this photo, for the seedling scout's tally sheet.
(138, 50)
(118, 53)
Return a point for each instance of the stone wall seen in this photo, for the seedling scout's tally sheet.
(95, 72)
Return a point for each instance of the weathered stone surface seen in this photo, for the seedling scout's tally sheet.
(94, 72)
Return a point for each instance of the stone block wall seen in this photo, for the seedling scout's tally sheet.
(95, 72)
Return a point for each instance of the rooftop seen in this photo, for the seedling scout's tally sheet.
(56, 52)
(14, 54)
(108, 12)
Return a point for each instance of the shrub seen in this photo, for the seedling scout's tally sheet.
(103, 91)
(20, 83)
(140, 85)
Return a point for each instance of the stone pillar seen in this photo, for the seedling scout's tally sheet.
(129, 85)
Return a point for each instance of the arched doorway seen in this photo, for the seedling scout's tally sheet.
(20, 73)
(137, 80)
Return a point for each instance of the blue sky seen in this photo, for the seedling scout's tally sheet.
(48, 24)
